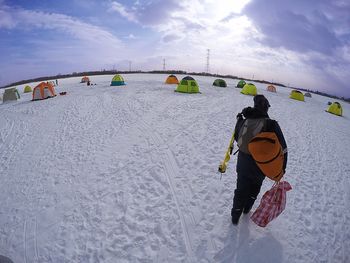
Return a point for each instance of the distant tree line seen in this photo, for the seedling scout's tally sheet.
(111, 72)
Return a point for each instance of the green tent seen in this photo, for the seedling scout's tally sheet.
(249, 89)
(240, 84)
(187, 85)
(117, 81)
(335, 108)
(220, 83)
(11, 94)
(297, 95)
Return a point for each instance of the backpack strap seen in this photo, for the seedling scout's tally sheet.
(248, 130)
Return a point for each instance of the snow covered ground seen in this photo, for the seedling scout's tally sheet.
(129, 174)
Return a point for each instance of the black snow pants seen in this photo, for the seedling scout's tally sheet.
(249, 181)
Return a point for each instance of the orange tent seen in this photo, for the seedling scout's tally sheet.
(43, 90)
(84, 79)
(271, 88)
(172, 80)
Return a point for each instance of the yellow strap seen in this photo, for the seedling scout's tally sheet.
(223, 164)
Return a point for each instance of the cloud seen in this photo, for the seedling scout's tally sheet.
(6, 20)
(62, 24)
(171, 38)
(151, 13)
(229, 17)
(131, 36)
(297, 26)
(57, 43)
(123, 11)
(316, 32)
(157, 12)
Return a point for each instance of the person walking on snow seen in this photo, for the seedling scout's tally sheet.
(249, 176)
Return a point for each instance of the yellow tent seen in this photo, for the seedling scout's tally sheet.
(335, 108)
(27, 89)
(188, 85)
(249, 89)
(117, 81)
(296, 95)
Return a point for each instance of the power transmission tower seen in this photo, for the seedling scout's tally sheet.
(163, 64)
(130, 65)
(208, 54)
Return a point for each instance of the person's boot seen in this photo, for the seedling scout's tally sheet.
(235, 214)
(249, 204)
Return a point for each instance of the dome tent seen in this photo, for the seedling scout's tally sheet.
(297, 95)
(117, 81)
(171, 79)
(240, 84)
(84, 79)
(271, 88)
(307, 94)
(27, 89)
(11, 94)
(249, 89)
(335, 108)
(43, 90)
(187, 85)
(220, 83)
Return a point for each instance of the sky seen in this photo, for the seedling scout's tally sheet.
(303, 44)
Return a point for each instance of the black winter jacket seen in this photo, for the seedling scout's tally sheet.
(245, 162)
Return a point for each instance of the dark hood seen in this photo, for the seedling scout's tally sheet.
(254, 113)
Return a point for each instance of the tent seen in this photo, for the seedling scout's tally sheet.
(335, 108)
(27, 89)
(172, 79)
(240, 84)
(271, 88)
(11, 94)
(187, 85)
(307, 94)
(220, 83)
(43, 90)
(296, 95)
(249, 89)
(84, 79)
(117, 81)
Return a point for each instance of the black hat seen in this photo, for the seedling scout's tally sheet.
(261, 103)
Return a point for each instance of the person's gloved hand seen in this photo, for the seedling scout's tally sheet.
(239, 116)
(231, 149)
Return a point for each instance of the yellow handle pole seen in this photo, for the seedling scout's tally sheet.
(223, 164)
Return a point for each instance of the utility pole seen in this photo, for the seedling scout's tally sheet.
(208, 54)
(163, 64)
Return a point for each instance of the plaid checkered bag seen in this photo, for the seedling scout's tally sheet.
(272, 204)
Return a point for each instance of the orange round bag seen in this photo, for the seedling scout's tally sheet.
(266, 150)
